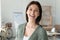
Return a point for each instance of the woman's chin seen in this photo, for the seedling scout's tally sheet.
(32, 18)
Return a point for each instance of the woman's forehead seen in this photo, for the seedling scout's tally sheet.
(33, 6)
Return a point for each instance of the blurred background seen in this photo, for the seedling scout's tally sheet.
(13, 11)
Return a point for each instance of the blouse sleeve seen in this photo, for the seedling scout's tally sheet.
(42, 35)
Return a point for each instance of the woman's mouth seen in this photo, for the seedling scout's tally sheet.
(32, 16)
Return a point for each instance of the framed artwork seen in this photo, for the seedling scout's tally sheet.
(46, 16)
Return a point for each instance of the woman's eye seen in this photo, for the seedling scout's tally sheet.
(30, 9)
(36, 11)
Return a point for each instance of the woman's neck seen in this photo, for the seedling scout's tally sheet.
(31, 24)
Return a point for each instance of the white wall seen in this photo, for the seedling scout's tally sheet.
(57, 11)
(9, 6)
(0, 13)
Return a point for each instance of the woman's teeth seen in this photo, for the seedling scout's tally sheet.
(32, 15)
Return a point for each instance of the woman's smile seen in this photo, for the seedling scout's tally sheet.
(33, 16)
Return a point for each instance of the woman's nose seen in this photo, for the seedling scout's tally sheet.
(32, 12)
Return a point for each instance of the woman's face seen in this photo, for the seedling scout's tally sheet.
(33, 12)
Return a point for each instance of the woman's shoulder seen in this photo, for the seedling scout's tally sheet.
(21, 25)
(42, 33)
(41, 29)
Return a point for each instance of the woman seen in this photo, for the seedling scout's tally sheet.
(32, 30)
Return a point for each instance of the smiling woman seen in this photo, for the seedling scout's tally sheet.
(32, 12)
(32, 30)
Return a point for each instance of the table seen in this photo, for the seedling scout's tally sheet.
(53, 34)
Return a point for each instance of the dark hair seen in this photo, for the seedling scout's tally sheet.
(40, 11)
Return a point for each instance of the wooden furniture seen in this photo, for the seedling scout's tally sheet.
(48, 28)
(57, 27)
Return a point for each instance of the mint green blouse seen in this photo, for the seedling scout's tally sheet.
(38, 34)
